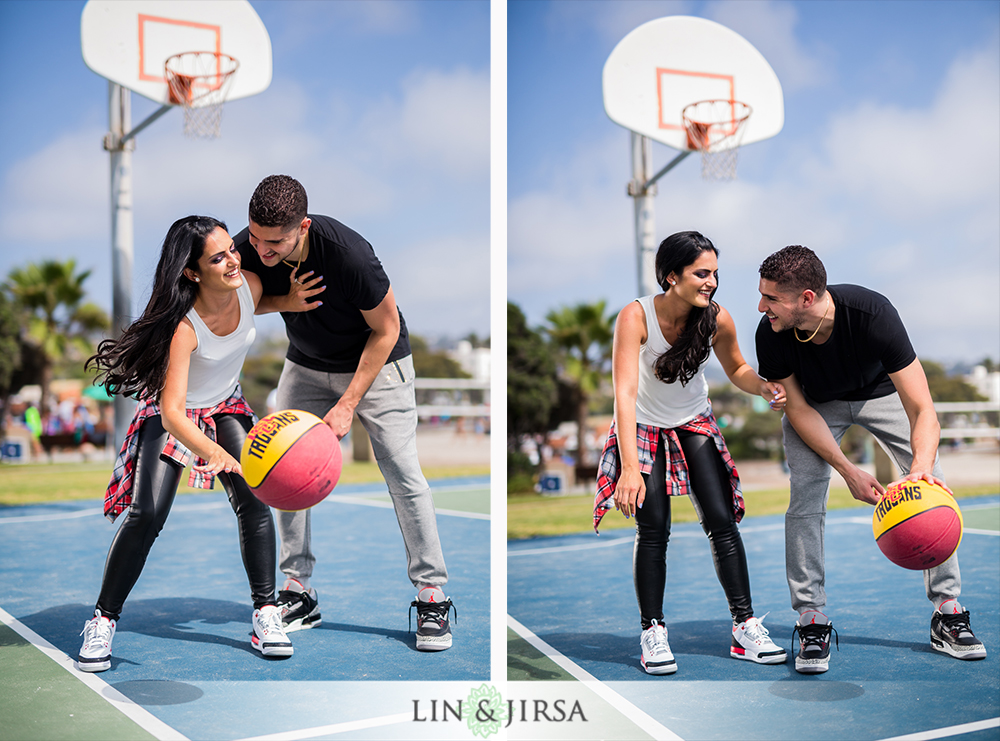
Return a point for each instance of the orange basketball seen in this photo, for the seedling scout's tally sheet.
(291, 460)
(917, 525)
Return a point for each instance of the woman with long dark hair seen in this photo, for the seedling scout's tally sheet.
(665, 441)
(181, 360)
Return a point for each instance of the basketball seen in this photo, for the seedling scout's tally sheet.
(917, 525)
(291, 460)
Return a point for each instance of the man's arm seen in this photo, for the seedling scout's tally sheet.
(812, 428)
(925, 430)
(384, 323)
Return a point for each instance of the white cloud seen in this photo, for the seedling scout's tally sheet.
(447, 277)
(921, 163)
(441, 123)
(58, 194)
(770, 27)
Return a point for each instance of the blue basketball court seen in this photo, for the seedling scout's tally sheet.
(573, 620)
(182, 663)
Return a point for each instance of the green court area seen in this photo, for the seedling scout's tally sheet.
(41, 700)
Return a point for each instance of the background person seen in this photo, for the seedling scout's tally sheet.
(348, 352)
(843, 356)
(665, 441)
(182, 359)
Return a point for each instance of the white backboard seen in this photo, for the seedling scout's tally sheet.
(668, 63)
(128, 41)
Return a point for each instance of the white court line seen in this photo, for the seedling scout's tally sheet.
(349, 499)
(354, 725)
(699, 534)
(139, 715)
(342, 498)
(646, 722)
(979, 725)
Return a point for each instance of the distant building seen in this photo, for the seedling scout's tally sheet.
(986, 382)
(474, 360)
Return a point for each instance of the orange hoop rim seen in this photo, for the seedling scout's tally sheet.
(181, 86)
(705, 134)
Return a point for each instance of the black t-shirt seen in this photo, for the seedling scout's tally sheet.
(332, 337)
(868, 343)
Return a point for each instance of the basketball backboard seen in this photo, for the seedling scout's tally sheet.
(129, 41)
(669, 63)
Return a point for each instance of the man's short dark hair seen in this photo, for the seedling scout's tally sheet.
(795, 268)
(279, 201)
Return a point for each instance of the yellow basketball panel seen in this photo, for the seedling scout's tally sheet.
(270, 439)
(902, 501)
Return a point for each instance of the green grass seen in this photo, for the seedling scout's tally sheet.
(535, 516)
(34, 483)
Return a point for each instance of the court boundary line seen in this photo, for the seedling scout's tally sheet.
(354, 725)
(979, 725)
(628, 539)
(132, 710)
(642, 719)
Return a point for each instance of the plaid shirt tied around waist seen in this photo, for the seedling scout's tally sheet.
(678, 481)
(118, 497)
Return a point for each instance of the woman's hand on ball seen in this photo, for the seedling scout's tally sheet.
(220, 461)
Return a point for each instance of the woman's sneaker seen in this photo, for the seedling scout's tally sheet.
(951, 633)
(656, 655)
(95, 655)
(751, 642)
(299, 607)
(814, 629)
(267, 635)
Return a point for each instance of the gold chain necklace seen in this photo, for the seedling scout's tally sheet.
(302, 254)
(810, 339)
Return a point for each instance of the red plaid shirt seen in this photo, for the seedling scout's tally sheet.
(678, 482)
(118, 497)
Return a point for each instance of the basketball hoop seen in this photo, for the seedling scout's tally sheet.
(199, 81)
(715, 128)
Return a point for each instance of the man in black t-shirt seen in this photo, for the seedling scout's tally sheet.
(844, 358)
(348, 353)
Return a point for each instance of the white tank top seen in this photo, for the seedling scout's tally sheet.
(665, 404)
(217, 361)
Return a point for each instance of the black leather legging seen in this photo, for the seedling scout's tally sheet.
(713, 500)
(154, 487)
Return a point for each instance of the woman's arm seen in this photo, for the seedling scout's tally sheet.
(172, 406)
(630, 333)
(745, 378)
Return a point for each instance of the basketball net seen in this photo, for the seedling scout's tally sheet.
(715, 128)
(199, 81)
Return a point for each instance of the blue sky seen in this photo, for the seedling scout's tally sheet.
(381, 109)
(888, 165)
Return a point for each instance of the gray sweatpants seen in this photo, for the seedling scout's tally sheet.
(389, 414)
(805, 521)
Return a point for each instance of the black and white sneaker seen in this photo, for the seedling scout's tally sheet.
(814, 644)
(299, 608)
(951, 634)
(433, 629)
(95, 654)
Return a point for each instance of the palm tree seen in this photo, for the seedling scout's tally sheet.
(584, 334)
(50, 295)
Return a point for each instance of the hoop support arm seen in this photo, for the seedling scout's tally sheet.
(667, 168)
(152, 117)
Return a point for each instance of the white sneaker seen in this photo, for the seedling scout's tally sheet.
(267, 635)
(656, 655)
(751, 642)
(95, 654)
